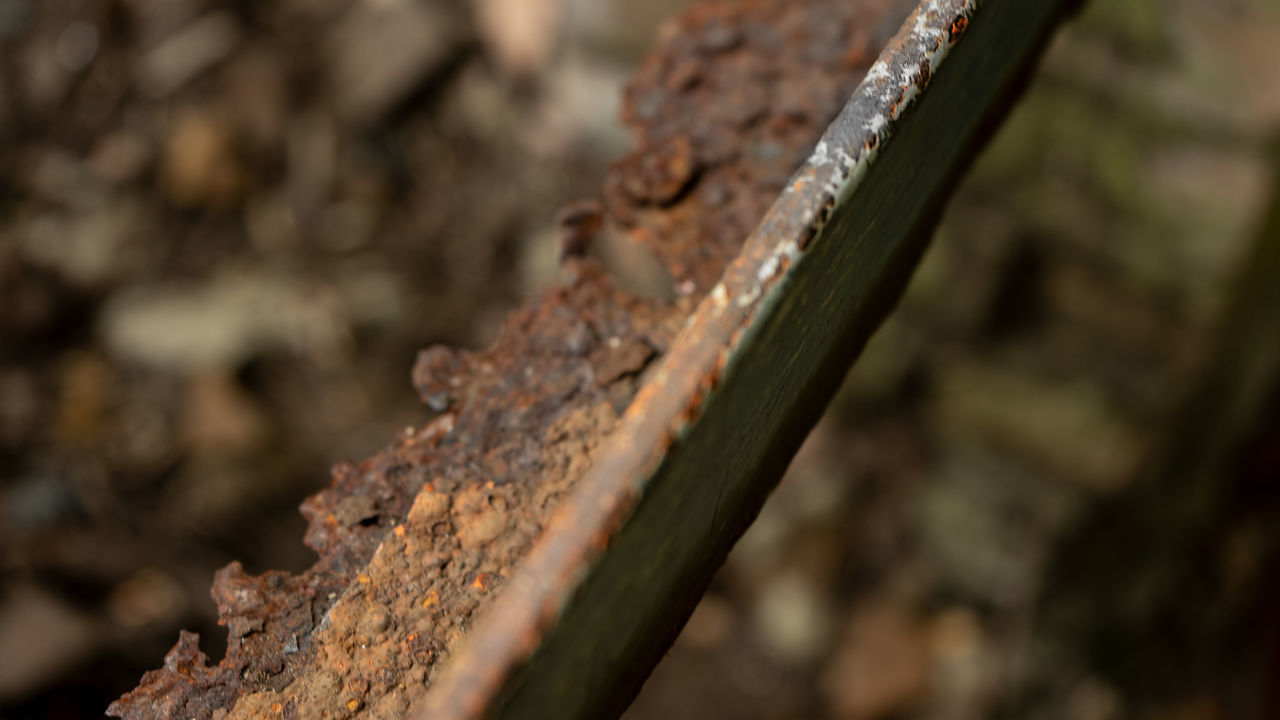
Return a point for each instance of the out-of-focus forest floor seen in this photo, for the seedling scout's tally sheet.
(226, 228)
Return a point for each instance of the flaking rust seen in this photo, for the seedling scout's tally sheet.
(726, 109)
(706, 438)
(414, 542)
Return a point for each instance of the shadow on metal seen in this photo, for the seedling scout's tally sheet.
(602, 594)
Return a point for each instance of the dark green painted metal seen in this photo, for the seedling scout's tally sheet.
(607, 588)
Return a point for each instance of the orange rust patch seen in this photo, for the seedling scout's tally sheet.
(518, 419)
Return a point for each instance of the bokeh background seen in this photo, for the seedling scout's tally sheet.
(1047, 490)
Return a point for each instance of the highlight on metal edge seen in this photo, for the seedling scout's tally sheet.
(602, 594)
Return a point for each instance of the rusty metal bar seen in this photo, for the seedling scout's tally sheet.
(625, 557)
(414, 542)
(434, 531)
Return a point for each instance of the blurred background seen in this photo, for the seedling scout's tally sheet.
(1047, 489)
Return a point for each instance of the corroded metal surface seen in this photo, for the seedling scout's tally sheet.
(725, 109)
(415, 541)
(625, 557)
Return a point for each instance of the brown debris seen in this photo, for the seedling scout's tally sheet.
(577, 226)
(881, 666)
(382, 51)
(415, 540)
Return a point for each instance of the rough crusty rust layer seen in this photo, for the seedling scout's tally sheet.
(413, 541)
(730, 103)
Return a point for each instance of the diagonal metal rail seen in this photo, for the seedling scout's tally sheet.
(436, 529)
(623, 560)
